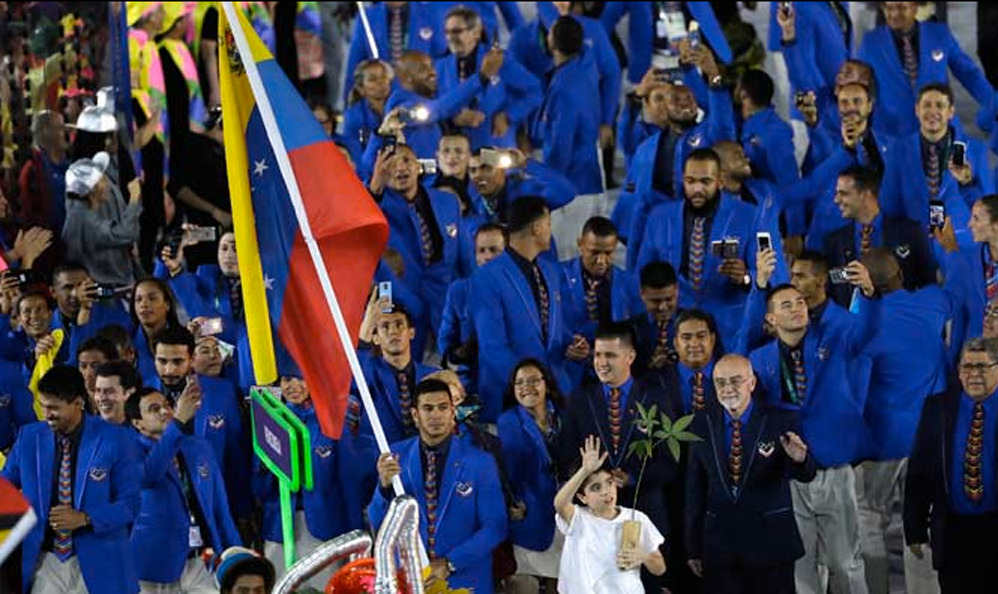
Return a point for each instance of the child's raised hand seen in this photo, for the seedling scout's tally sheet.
(590, 452)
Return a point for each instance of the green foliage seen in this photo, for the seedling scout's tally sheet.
(657, 429)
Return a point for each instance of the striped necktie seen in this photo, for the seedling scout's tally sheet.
(405, 402)
(800, 375)
(990, 280)
(699, 393)
(395, 38)
(432, 491)
(866, 239)
(592, 298)
(62, 541)
(615, 419)
(933, 171)
(662, 345)
(973, 485)
(236, 297)
(735, 455)
(697, 252)
(425, 239)
(545, 301)
(910, 59)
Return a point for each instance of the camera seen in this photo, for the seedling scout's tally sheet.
(415, 114)
(764, 241)
(959, 154)
(937, 214)
(210, 327)
(496, 159)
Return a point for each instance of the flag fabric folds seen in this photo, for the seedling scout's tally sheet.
(281, 289)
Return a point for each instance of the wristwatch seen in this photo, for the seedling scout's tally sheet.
(450, 567)
(716, 80)
(747, 279)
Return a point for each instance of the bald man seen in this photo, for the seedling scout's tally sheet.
(740, 530)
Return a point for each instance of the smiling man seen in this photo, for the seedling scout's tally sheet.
(608, 410)
(115, 381)
(79, 542)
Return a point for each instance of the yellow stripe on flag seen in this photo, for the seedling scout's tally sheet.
(237, 105)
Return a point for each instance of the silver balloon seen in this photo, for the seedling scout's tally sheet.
(356, 542)
(401, 523)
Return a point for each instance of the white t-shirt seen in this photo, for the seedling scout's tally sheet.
(589, 559)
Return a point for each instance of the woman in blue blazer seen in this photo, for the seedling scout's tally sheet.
(528, 430)
(372, 82)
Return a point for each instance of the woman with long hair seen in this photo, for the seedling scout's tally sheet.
(372, 83)
(154, 309)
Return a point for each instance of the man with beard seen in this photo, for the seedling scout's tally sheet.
(707, 237)
(655, 174)
(923, 172)
(492, 117)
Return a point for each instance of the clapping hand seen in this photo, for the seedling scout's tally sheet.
(794, 446)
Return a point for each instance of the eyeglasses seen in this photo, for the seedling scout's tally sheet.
(735, 382)
(530, 382)
(976, 368)
(455, 31)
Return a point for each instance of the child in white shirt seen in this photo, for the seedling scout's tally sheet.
(593, 561)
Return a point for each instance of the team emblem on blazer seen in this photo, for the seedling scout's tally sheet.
(465, 489)
(216, 421)
(755, 140)
(766, 449)
(695, 140)
(203, 471)
(323, 451)
(938, 55)
(903, 250)
(451, 230)
(822, 353)
(426, 32)
(98, 474)
(4, 400)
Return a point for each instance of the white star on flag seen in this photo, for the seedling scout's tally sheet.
(259, 167)
(268, 282)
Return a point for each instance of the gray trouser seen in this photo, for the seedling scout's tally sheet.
(58, 577)
(305, 545)
(879, 489)
(828, 520)
(194, 580)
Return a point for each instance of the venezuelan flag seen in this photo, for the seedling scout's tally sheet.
(281, 289)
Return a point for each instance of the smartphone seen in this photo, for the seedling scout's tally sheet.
(800, 98)
(427, 166)
(959, 154)
(839, 276)
(202, 234)
(764, 241)
(385, 292)
(416, 114)
(717, 248)
(786, 7)
(103, 291)
(491, 157)
(694, 34)
(27, 278)
(937, 214)
(211, 327)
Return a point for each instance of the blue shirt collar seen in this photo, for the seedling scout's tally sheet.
(625, 388)
(746, 415)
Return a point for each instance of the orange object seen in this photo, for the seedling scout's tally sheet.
(357, 577)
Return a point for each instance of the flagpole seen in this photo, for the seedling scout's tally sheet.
(367, 30)
(287, 173)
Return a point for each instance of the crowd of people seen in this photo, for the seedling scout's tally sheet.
(731, 370)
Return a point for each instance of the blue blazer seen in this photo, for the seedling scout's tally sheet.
(927, 483)
(16, 404)
(632, 129)
(904, 191)
(515, 91)
(752, 525)
(642, 27)
(625, 297)
(532, 472)
(219, 421)
(768, 142)
(831, 401)
(429, 282)
(535, 179)
(639, 196)
(471, 515)
(160, 535)
(508, 327)
(425, 34)
(360, 123)
(455, 324)
(820, 43)
(106, 487)
(938, 53)
(908, 364)
(966, 267)
(720, 297)
(567, 125)
(332, 507)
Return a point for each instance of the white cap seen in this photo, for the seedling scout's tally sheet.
(96, 119)
(83, 175)
(105, 97)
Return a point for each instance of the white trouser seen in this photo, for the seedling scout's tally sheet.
(880, 490)
(57, 577)
(828, 519)
(194, 580)
(305, 544)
